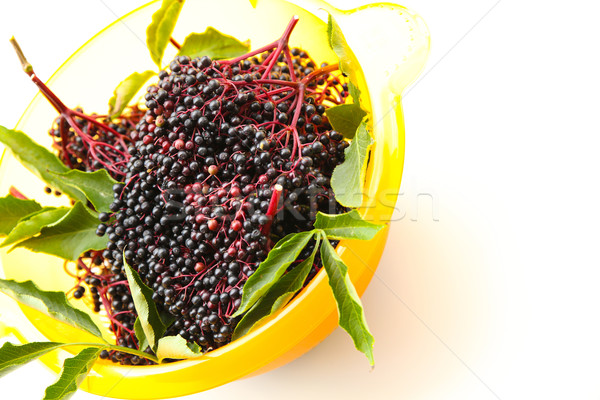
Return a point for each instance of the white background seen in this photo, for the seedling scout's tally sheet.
(493, 293)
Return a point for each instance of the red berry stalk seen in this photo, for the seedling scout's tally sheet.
(13, 191)
(273, 208)
(112, 157)
(295, 88)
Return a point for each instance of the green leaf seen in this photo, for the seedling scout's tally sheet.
(349, 64)
(348, 178)
(278, 296)
(12, 210)
(97, 186)
(270, 270)
(346, 118)
(74, 371)
(13, 357)
(140, 335)
(176, 348)
(161, 28)
(213, 44)
(354, 92)
(126, 90)
(31, 225)
(33, 214)
(166, 318)
(53, 304)
(350, 311)
(148, 314)
(73, 235)
(349, 225)
(38, 160)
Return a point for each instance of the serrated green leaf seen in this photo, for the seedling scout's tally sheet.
(288, 286)
(350, 310)
(96, 186)
(74, 371)
(13, 357)
(166, 318)
(33, 214)
(31, 225)
(354, 92)
(213, 44)
(161, 28)
(140, 335)
(53, 304)
(270, 270)
(176, 348)
(349, 64)
(345, 118)
(38, 160)
(12, 210)
(73, 235)
(126, 90)
(277, 297)
(348, 178)
(349, 225)
(148, 314)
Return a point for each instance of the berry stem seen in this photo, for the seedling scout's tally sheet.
(282, 44)
(13, 191)
(110, 162)
(251, 54)
(55, 101)
(278, 44)
(266, 82)
(318, 72)
(48, 94)
(288, 59)
(272, 210)
(175, 43)
(26, 66)
(105, 127)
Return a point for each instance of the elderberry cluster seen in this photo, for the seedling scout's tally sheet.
(228, 159)
(92, 142)
(107, 290)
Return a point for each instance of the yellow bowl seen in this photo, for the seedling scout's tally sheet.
(391, 44)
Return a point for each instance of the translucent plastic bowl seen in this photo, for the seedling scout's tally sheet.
(391, 44)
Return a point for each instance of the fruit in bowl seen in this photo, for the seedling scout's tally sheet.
(162, 265)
